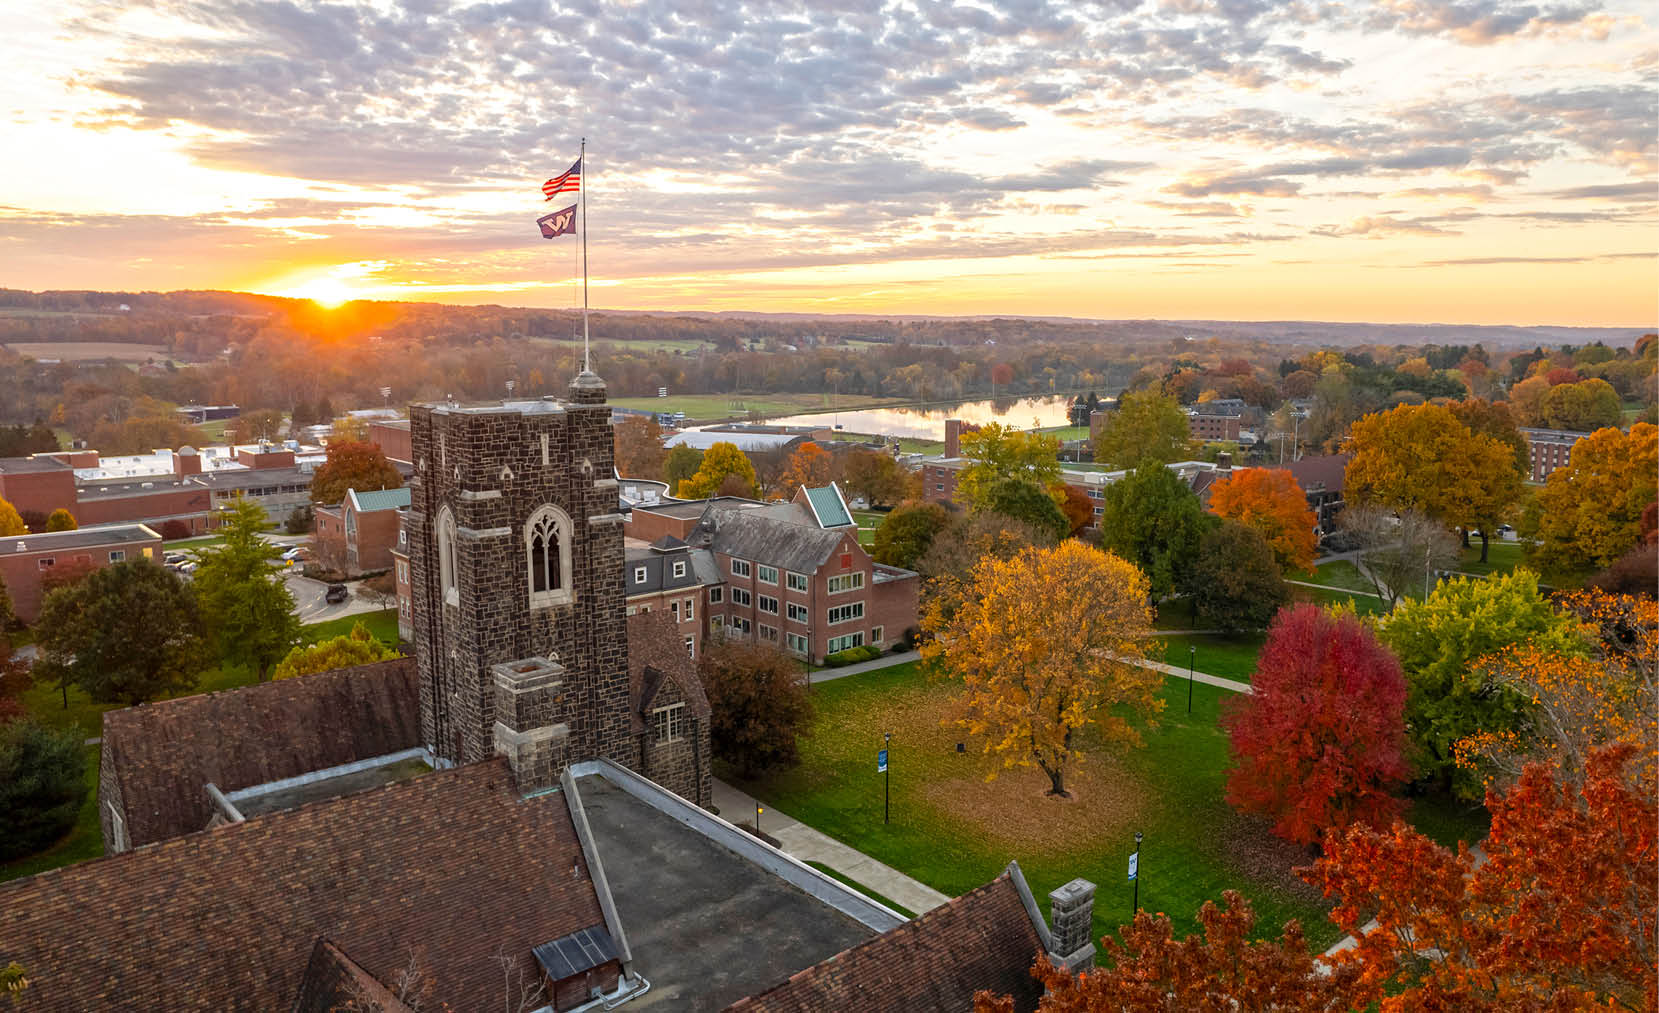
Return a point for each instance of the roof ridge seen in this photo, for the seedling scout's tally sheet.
(151, 706)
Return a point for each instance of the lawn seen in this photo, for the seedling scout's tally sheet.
(1229, 656)
(868, 522)
(1501, 558)
(907, 445)
(1364, 604)
(954, 830)
(1340, 573)
(383, 625)
(84, 841)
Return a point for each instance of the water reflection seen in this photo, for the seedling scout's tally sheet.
(927, 422)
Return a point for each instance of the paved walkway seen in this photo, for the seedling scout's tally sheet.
(807, 844)
(1208, 680)
(885, 661)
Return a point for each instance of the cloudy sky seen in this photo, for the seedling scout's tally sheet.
(1481, 161)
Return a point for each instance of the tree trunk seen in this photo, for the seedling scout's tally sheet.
(1056, 780)
(1483, 544)
(1465, 533)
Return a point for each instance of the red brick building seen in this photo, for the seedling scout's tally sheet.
(38, 484)
(1549, 449)
(357, 535)
(25, 559)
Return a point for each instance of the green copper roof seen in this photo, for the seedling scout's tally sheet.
(827, 505)
(382, 499)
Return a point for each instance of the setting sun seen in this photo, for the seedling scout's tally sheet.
(325, 292)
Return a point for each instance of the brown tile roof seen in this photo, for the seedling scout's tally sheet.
(1328, 470)
(656, 650)
(163, 753)
(335, 983)
(981, 940)
(448, 869)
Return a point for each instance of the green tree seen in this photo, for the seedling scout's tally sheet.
(1583, 407)
(359, 647)
(681, 463)
(1147, 425)
(1028, 502)
(42, 786)
(907, 533)
(1000, 453)
(11, 522)
(1438, 640)
(720, 462)
(244, 601)
(126, 633)
(1235, 583)
(353, 464)
(61, 520)
(1153, 519)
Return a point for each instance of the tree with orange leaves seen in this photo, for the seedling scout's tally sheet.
(1269, 500)
(1590, 512)
(810, 465)
(1225, 970)
(1560, 915)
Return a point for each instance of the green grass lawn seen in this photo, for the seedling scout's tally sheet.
(868, 522)
(907, 445)
(85, 840)
(1175, 614)
(861, 888)
(1501, 558)
(1340, 573)
(954, 830)
(383, 625)
(1231, 657)
(199, 542)
(1364, 604)
(1068, 432)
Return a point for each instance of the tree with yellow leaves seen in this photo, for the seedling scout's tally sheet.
(724, 467)
(1000, 453)
(1044, 645)
(811, 466)
(11, 522)
(1590, 512)
(1422, 457)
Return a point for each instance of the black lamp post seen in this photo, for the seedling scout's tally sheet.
(886, 776)
(1192, 660)
(1136, 904)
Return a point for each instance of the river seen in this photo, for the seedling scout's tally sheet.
(927, 422)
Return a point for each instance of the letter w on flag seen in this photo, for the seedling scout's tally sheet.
(570, 182)
(559, 223)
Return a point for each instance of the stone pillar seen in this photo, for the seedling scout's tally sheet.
(1071, 910)
(953, 437)
(528, 729)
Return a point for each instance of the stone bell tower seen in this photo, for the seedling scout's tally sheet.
(515, 552)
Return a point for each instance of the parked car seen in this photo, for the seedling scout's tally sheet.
(292, 554)
(336, 594)
(174, 558)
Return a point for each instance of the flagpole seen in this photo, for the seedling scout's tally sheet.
(582, 158)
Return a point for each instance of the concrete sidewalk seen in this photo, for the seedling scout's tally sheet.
(820, 674)
(1208, 680)
(808, 845)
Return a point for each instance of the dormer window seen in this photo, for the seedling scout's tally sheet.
(547, 557)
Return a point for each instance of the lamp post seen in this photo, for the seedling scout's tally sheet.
(758, 811)
(886, 776)
(1136, 903)
(1192, 662)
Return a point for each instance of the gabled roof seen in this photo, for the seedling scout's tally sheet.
(379, 499)
(656, 651)
(164, 753)
(753, 534)
(334, 982)
(444, 872)
(1326, 470)
(983, 939)
(829, 507)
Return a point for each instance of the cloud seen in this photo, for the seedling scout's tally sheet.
(1379, 226)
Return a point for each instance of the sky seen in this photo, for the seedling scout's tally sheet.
(1456, 161)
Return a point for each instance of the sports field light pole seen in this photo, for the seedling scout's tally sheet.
(1192, 661)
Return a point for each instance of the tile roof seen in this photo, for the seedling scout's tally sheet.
(334, 982)
(163, 753)
(656, 650)
(752, 535)
(1327, 470)
(446, 870)
(81, 538)
(981, 940)
(380, 499)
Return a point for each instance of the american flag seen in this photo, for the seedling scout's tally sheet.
(570, 182)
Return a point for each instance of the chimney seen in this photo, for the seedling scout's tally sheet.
(1224, 461)
(1071, 910)
(527, 730)
(953, 437)
(187, 462)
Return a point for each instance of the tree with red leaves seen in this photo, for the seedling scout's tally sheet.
(1560, 916)
(1226, 971)
(1320, 741)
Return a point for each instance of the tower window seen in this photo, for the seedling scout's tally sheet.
(547, 552)
(446, 557)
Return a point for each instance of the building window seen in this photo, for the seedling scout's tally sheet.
(117, 555)
(46, 562)
(740, 625)
(740, 597)
(797, 582)
(846, 582)
(717, 595)
(690, 609)
(446, 557)
(846, 613)
(797, 613)
(351, 522)
(767, 574)
(769, 634)
(768, 604)
(876, 634)
(679, 568)
(669, 722)
(639, 575)
(796, 642)
(847, 642)
(740, 568)
(547, 554)
(402, 572)
(674, 607)
(691, 647)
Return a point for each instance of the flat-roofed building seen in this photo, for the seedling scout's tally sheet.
(27, 561)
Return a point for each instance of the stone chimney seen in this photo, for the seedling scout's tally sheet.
(1071, 910)
(953, 437)
(1224, 461)
(528, 732)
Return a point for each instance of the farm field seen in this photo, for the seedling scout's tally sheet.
(73, 351)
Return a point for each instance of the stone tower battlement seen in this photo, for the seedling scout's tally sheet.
(515, 551)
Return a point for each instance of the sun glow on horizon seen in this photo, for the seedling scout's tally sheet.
(327, 292)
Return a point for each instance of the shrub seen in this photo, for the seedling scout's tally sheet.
(759, 703)
(42, 786)
(173, 530)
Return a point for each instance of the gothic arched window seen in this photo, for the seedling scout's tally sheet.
(547, 556)
(447, 580)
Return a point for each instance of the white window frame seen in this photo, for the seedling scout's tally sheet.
(741, 597)
(679, 568)
(690, 611)
(444, 531)
(761, 604)
(691, 648)
(796, 642)
(845, 642)
(674, 607)
(668, 722)
(799, 582)
(640, 573)
(717, 595)
(740, 568)
(761, 571)
(741, 625)
(799, 613)
(853, 581)
(46, 562)
(767, 633)
(118, 555)
(550, 519)
(849, 612)
(876, 634)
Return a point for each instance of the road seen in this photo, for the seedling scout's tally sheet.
(309, 604)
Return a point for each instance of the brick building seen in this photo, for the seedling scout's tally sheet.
(670, 577)
(1221, 420)
(1549, 449)
(26, 559)
(357, 535)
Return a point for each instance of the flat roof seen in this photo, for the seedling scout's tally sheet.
(260, 476)
(53, 541)
(706, 926)
(26, 465)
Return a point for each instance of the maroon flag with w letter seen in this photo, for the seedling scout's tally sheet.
(559, 223)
